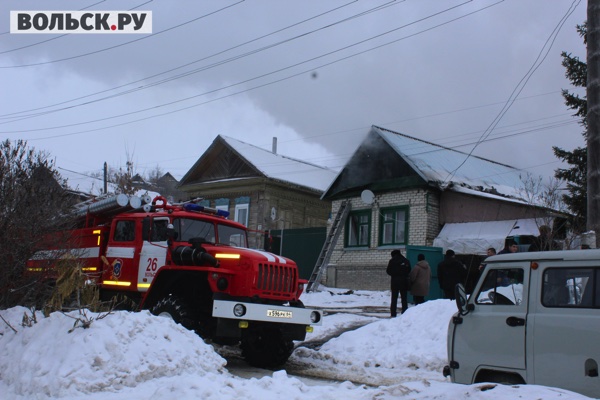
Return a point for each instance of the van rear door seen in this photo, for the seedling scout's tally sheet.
(492, 335)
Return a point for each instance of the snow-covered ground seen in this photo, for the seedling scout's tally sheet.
(138, 356)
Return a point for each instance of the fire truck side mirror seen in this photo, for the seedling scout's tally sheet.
(171, 234)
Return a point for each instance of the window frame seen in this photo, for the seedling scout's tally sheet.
(348, 231)
(238, 208)
(508, 279)
(119, 234)
(383, 224)
(575, 300)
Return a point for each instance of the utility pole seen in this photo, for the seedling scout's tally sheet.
(105, 178)
(593, 118)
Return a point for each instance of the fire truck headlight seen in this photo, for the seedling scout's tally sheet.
(239, 310)
(222, 284)
(315, 317)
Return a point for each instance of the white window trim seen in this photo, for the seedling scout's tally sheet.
(238, 208)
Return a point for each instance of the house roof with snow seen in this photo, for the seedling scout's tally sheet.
(229, 159)
(84, 184)
(88, 186)
(388, 160)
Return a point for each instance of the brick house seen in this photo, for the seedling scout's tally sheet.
(409, 194)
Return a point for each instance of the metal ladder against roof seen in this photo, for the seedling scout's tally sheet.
(328, 246)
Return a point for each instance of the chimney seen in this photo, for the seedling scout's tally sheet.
(274, 150)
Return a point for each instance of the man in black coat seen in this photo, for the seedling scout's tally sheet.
(398, 268)
(451, 272)
(545, 241)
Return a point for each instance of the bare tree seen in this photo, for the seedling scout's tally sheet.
(123, 179)
(35, 203)
(548, 198)
(155, 174)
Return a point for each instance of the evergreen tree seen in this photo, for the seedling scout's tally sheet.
(576, 175)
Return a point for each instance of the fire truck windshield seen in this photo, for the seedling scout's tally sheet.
(232, 236)
(187, 229)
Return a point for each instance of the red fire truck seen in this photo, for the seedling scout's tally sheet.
(192, 264)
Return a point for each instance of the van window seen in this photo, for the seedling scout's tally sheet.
(502, 287)
(570, 287)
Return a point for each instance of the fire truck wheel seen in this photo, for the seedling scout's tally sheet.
(266, 348)
(178, 310)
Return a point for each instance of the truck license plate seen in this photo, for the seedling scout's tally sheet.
(279, 314)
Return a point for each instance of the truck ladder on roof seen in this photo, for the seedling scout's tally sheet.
(328, 246)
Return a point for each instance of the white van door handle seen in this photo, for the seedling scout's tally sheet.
(515, 321)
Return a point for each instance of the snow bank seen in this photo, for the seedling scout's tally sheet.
(413, 340)
(122, 350)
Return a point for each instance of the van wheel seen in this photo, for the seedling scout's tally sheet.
(178, 310)
(503, 378)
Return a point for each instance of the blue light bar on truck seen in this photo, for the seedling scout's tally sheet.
(198, 207)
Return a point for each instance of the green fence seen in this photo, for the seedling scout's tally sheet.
(433, 255)
(301, 245)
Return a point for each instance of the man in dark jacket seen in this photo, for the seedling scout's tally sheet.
(398, 268)
(451, 272)
(545, 241)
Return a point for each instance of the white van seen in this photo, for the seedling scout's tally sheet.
(532, 318)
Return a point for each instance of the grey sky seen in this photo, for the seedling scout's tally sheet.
(437, 70)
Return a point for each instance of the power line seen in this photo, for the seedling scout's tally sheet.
(204, 68)
(255, 78)
(520, 86)
(413, 151)
(123, 44)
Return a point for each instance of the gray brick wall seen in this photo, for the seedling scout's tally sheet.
(364, 268)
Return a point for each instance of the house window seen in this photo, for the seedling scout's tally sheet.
(241, 213)
(393, 226)
(222, 204)
(358, 229)
(241, 210)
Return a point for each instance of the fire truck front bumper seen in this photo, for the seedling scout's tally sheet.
(244, 311)
(235, 317)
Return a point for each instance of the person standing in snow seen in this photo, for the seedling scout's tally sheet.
(420, 276)
(450, 273)
(399, 269)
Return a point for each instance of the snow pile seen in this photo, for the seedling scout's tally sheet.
(121, 350)
(407, 342)
(137, 356)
